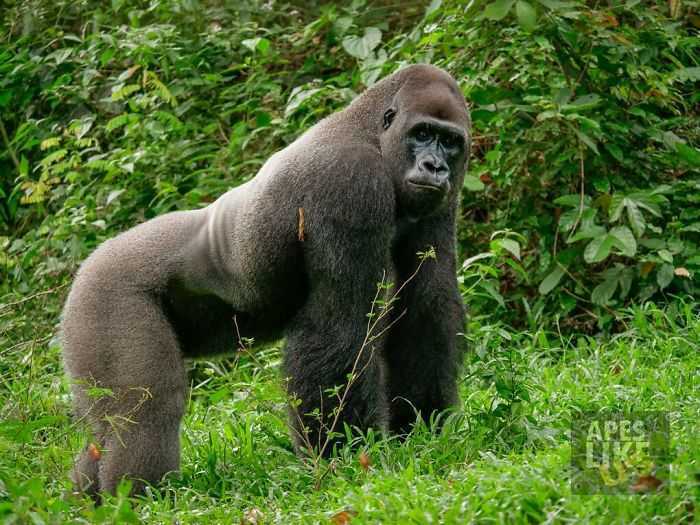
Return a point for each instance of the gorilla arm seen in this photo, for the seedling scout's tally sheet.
(346, 252)
(423, 350)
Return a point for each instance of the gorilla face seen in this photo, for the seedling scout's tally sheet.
(425, 130)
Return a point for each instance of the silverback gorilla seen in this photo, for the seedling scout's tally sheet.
(376, 183)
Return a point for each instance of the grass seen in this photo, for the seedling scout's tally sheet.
(503, 458)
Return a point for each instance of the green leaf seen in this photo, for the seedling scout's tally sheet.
(434, 6)
(666, 256)
(490, 289)
(615, 151)
(617, 204)
(361, 46)
(598, 249)
(552, 280)
(635, 218)
(605, 290)
(687, 73)
(588, 141)
(527, 16)
(512, 246)
(689, 154)
(625, 240)
(259, 44)
(664, 275)
(473, 183)
(582, 103)
(498, 9)
(23, 166)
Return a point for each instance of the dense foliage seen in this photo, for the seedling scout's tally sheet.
(583, 193)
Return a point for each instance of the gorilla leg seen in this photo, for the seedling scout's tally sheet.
(423, 354)
(136, 425)
(316, 363)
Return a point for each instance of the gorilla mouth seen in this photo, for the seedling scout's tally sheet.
(426, 186)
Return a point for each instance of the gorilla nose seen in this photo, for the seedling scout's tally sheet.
(432, 165)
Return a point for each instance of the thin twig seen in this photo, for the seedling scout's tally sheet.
(33, 296)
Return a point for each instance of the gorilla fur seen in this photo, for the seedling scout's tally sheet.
(376, 183)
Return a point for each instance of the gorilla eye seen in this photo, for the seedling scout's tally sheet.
(423, 135)
(389, 115)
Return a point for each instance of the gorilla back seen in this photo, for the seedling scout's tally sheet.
(376, 183)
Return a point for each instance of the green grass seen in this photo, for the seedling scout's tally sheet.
(503, 457)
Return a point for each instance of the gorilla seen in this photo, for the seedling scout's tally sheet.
(296, 252)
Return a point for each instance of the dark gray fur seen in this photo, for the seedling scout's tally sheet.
(169, 289)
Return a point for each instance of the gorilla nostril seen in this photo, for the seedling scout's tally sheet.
(429, 165)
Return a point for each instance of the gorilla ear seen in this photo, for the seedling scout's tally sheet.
(389, 115)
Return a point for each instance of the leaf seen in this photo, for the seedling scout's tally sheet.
(689, 154)
(94, 452)
(124, 92)
(472, 183)
(512, 246)
(687, 73)
(259, 44)
(498, 9)
(617, 204)
(582, 103)
(49, 143)
(626, 241)
(664, 275)
(604, 291)
(527, 16)
(361, 47)
(471, 260)
(434, 6)
(635, 218)
(674, 8)
(364, 460)
(113, 195)
(297, 97)
(625, 281)
(490, 289)
(666, 256)
(343, 517)
(598, 249)
(53, 157)
(588, 141)
(552, 280)
(647, 483)
(117, 122)
(23, 166)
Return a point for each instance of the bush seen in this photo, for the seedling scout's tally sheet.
(583, 194)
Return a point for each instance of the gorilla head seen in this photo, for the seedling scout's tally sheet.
(425, 139)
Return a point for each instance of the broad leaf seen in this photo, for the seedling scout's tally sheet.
(664, 275)
(625, 240)
(361, 46)
(605, 290)
(512, 246)
(552, 280)
(527, 16)
(498, 9)
(598, 249)
(473, 183)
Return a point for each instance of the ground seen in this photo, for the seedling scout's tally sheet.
(503, 457)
